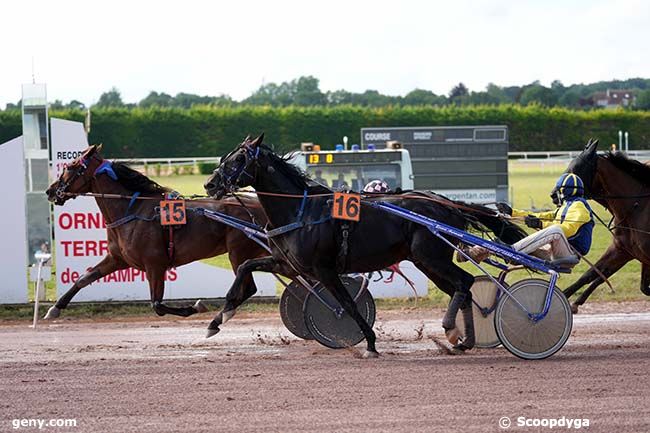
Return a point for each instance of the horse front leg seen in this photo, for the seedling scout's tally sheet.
(156, 278)
(241, 289)
(330, 279)
(591, 275)
(108, 265)
(645, 279)
(608, 264)
(586, 278)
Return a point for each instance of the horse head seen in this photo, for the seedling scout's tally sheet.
(236, 170)
(583, 165)
(76, 176)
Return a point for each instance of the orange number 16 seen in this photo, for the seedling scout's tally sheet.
(346, 206)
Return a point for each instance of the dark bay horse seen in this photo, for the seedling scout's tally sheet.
(308, 242)
(622, 186)
(143, 244)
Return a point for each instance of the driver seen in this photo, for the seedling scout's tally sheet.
(561, 231)
(376, 186)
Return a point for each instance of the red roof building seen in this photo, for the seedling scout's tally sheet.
(613, 98)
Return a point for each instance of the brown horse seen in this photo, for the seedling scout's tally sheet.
(142, 243)
(622, 186)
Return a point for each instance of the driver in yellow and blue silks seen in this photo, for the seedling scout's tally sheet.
(561, 231)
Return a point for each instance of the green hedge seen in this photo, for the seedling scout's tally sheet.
(211, 131)
(207, 167)
(10, 125)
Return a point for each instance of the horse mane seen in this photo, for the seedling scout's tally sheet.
(135, 181)
(299, 177)
(634, 168)
(584, 165)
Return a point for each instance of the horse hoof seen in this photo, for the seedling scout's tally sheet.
(52, 313)
(370, 354)
(452, 335)
(574, 308)
(459, 349)
(212, 332)
(200, 307)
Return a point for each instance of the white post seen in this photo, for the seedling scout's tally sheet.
(41, 284)
(29, 175)
(345, 142)
(627, 142)
(42, 258)
(620, 140)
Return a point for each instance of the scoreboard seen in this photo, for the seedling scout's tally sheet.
(327, 158)
(353, 169)
(468, 163)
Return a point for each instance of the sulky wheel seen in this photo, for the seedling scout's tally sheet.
(334, 330)
(484, 302)
(521, 335)
(291, 302)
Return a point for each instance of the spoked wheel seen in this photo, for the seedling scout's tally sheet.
(337, 329)
(291, 302)
(521, 335)
(484, 302)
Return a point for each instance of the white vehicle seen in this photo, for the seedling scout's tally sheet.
(353, 169)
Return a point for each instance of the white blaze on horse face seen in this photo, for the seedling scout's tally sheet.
(227, 315)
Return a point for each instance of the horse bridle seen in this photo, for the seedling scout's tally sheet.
(62, 188)
(231, 180)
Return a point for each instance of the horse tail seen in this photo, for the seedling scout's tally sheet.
(482, 216)
(477, 216)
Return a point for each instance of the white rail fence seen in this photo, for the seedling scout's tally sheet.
(168, 165)
(562, 155)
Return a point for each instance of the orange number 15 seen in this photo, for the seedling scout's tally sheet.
(172, 212)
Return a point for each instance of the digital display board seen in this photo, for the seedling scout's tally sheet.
(326, 158)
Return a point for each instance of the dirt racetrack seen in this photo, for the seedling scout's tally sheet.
(162, 375)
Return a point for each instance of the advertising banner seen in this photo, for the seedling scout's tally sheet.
(80, 243)
(80, 239)
(13, 248)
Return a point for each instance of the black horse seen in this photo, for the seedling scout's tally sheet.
(307, 241)
(622, 186)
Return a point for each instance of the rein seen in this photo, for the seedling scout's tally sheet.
(250, 214)
(108, 195)
(619, 197)
(193, 198)
(237, 194)
(79, 173)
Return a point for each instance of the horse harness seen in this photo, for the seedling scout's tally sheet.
(106, 168)
(345, 227)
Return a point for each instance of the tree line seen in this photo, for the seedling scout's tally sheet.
(211, 131)
(305, 92)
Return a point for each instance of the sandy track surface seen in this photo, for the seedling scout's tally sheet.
(160, 376)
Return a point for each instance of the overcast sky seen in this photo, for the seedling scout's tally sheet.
(83, 48)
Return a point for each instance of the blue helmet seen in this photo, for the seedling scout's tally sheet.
(570, 185)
